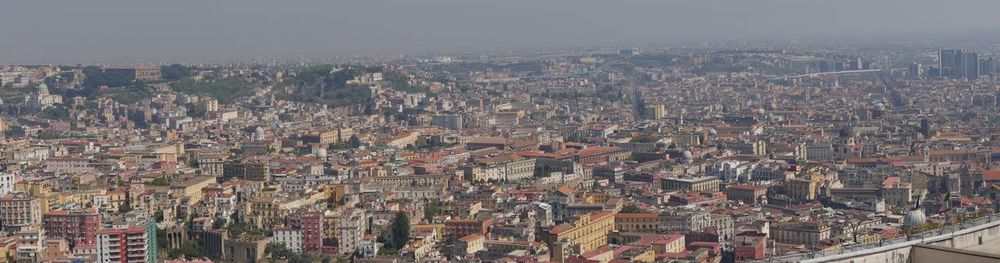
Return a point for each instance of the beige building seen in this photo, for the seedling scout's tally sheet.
(248, 249)
(588, 232)
(704, 183)
(802, 233)
(501, 168)
(750, 194)
(470, 244)
(802, 189)
(637, 222)
(20, 211)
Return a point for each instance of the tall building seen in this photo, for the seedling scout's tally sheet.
(640, 104)
(311, 225)
(986, 66)
(127, 245)
(20, 212)
(30, 244)
(77, 227)
(970, 65)
(351, 230)
(949, 64)
(915, 70)
(960, 64)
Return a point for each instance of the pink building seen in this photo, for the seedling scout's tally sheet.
(311, 225)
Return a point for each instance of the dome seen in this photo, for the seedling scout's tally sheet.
(259, 131)
(321, 153)
(43, 89)
(914, 218)
(713, 132)
(688, 155)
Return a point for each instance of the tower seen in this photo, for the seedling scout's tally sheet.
(640, 104)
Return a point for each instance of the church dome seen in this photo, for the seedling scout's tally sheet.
(43, 89)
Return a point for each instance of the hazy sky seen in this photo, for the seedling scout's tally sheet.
(87, 31)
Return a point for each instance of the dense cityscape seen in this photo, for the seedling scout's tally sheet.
(698, 153)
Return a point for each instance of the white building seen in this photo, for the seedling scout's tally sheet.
(369, 247)
(7, 181)
(291, 238)
(42, 99)
(351, 230)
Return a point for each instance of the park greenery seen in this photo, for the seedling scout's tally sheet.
(226, 90)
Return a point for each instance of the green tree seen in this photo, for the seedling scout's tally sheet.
(126, 205)
(176, 71)
(226, 90)
(219, 223)
(631, 208)
(354, 141)
(160, 181)
(55, 113)
(161, 238)
(432, 209)
(278, 251)
(196, 110)
(399, 231)
(188, 250)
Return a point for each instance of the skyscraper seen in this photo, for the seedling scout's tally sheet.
(960, 64)
(986, 66)
(948, 63)
(915, 70)
(970, 65)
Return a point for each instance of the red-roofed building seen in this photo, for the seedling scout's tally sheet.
(457, 228)
(696, 198)
(748, 246)
(671, 243)
(991, 177)
(596, 155)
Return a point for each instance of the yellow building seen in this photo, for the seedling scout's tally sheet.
(672, 243)
(191, 186)
(637, 222)
(587, 232)
(802, 189)
(596, 197)
(638, 254)
(704, 183)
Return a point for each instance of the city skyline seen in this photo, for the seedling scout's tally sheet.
(489, 131)
(109, 31)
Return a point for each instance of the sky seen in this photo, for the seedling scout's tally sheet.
(118, 31)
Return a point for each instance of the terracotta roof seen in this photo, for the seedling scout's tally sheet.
(991, 175)
(470, 237)
(597, 150)
(637, 215)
